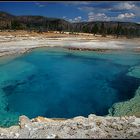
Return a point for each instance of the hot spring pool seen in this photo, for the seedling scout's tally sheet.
(57, 83)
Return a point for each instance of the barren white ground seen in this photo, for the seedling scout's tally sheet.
(11, 44)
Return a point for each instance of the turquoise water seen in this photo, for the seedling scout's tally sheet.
(58, 83)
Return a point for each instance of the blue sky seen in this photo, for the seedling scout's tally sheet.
(75, 11)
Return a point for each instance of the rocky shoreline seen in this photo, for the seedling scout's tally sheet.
(79, 127)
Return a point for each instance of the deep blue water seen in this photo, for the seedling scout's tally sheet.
(58, 83)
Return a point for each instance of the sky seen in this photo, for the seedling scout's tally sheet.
(77, 11)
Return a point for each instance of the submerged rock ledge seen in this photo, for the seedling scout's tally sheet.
(78, 127)
(130, 107)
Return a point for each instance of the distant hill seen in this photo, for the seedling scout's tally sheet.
(40, 23)
(4, 15)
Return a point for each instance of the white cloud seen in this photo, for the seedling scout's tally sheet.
(125, 16)
(76, 2)
(118, 11)
(77, 19)
(86, 8)
(115, 6)
(97, 17)
(70, 20)
(64, 17)
(125, 6)
(40, 5)
(103, 17)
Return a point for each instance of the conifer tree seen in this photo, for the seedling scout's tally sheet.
(95, 29)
